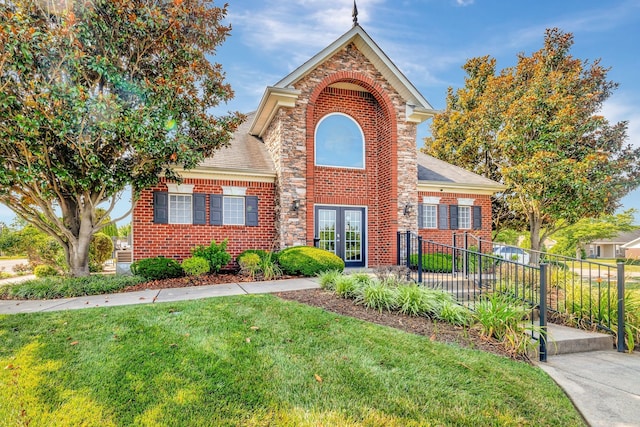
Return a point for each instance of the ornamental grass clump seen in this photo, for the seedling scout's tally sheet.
(328, 279)
(346, 286)
(410, 300)
(454, 313)
(378, 296)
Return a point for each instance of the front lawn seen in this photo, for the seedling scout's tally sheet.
(253, 361)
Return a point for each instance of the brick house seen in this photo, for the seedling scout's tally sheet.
(329, 157)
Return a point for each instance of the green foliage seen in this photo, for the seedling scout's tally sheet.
(378, 296)
(104, 95)
(101, 249)
(157, 268)
(308, 261)
(215, 254)
(572, 239)
(249, 264)
(124, 230)
(68, 287)
(537, 128)
(195, 266)
(45, 271)
(435, 262)
(409, 299)
(507, 236)
(260, 252)
(454, 313)
(270, 269)
(328, 279)
(346, 286)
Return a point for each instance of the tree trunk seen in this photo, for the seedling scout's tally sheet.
(77, 250)
(535, 225)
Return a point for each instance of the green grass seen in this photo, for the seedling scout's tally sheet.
(627, 267)
(255, 361)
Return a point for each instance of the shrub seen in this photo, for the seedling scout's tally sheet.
(100, 249)
(249, 264)
(410, 300)
(195, 266)
(346, 286)
(328, 279)
(45, 271)
(268, 266)
(308, 261)
(454, 313)
(260, 252)
(157, 268)
(499, 315)
(378, 296)
(436, 262)
(67, 287)
(215, 254)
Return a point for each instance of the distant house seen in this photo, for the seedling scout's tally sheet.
(328, 158)
(619, 246)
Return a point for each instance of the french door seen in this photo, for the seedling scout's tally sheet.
(341, 230)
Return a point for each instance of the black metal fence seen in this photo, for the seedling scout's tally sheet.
(572, 291)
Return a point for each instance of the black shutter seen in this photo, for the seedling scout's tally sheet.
(477, 217)
(420, 215)
(199, 208)
(443, 214)
(160, 207)
(251, 211)
(215, 209)
(453, 214)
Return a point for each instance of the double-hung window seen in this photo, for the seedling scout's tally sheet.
(233, 211)
(464, 217)
(429, 216)
(180, 209)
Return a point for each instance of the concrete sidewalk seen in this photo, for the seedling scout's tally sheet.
(603, 385)
(156, 295)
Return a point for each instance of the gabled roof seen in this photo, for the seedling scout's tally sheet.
(435, 174)
(620, 238)
(244, 154)
(635, 243)
(283, 93)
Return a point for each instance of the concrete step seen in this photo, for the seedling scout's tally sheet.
(566, 340)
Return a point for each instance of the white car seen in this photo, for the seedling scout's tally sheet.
(512, 254)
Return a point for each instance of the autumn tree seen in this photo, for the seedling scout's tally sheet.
(536, 128)
(98, 95)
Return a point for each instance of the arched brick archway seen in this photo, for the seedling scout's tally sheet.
(374, 187)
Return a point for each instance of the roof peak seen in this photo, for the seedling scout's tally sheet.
(354, 14)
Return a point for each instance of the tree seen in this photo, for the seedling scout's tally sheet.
(98, 95)
(535, 128)
(572, 239)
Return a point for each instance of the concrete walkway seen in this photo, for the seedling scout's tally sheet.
(156, 295)
(603, 385)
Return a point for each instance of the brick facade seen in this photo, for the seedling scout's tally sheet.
(346, 82)
(176, 240)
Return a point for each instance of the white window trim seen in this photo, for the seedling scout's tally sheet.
(466, 202)
(468, 208)
(234, 191)
(424, 215)
(315, 145)
(430, 200)
(180, 188)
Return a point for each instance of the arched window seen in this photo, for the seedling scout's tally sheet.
(339, 142)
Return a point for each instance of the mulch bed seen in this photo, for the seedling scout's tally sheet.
(436, 331)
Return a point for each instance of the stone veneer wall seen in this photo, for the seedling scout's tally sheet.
(176, 240)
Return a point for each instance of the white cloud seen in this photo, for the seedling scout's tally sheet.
(618, 108)
(464, 2)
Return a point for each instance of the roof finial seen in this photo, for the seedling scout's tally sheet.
(355, 14)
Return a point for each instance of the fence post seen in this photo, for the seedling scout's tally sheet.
(419, 259)
(465, 255)
(408, 247)
(398, 249)
(543, 312)
(621, 336)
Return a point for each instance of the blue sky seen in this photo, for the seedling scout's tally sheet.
(430, 40)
